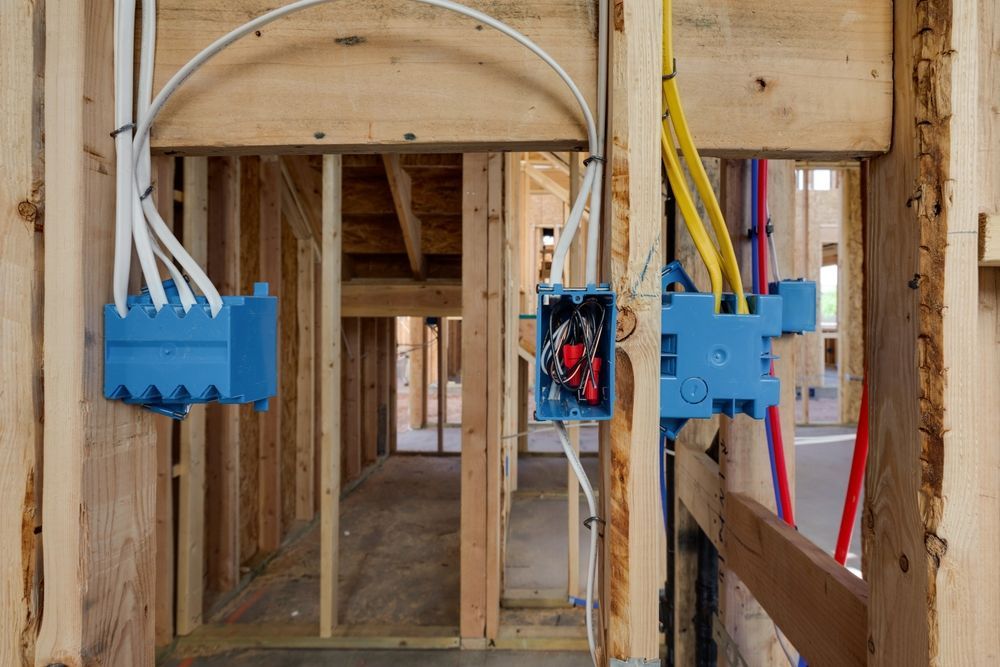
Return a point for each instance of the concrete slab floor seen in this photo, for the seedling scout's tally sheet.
(277, 658)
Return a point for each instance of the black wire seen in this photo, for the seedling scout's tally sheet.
(583, 323)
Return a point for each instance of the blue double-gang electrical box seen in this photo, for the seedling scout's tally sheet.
(712, 363)
(561, 403)
(169, 360)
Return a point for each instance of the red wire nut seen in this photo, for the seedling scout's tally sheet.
(590, 391)
(571, 357)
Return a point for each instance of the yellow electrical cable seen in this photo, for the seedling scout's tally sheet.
(676, 116)
(709, 253)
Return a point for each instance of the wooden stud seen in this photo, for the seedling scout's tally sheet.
(351, 400)
(850, 306)
(191, 487)
(442, 381)
(163, 194)
(369, 390)
(418, 373)
(924, 499)
(330, 395)
(474, 394)
(631, 511)
(100, 456)
(494, 391)
(402, 298)
(222, 422)
(269, 461)
(21, 265)
(305, 436)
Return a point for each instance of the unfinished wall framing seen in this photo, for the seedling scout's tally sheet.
(101, 489)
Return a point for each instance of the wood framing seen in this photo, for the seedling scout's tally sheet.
(222, 445)
(98, 527)
(818, 75)
(630, 508)
(402, 298)
(269, 461)
(409, 224)
(475, 322)
(929, 514)
(330, 396)
(191, 486)
(818, 604)
(305, 436)
(21, 265)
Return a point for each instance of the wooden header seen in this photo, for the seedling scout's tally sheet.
(809, 79)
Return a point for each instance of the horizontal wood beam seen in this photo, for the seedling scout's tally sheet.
(818, 604)
(402, 298)
(808, 79)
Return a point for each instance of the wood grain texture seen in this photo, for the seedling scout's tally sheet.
(409, 224)
(850, 307)
(494, 358)
(330, 396)
(474, 484)
(21, 277)
(288, 397)
(744, 459)
(923, 499)
(98, 507)
(305, 488)
(633, 550)
(352, 431)
(818, 604)
(369, 390)
(808, 79)
(191, 486)
(222, 422)
(402, 298)
(269, 492)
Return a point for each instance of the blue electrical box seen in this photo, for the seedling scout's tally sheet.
(593, 400)
(713, 363)
(168, 360)
(798, 304)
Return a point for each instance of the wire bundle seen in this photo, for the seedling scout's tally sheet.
(720, 260)
(573, 325)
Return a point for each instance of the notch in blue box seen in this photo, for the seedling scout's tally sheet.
(169, 360)
(575, 364)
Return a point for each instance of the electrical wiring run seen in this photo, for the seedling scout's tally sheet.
(570, 349)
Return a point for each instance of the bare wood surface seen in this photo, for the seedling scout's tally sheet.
(402, 298)
(305, 436)
(633, 551)
(803, 79)
(330, 396)
(191, 486)
(409, 224)
(222, 427)
(98, 507)
(21, 265)
(474, 482)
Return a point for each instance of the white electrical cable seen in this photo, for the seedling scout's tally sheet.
(124, 31)
(146, 120)
(588, 492)
(597, 195)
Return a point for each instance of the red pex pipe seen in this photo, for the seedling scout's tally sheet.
(774, 414)
(857, 478)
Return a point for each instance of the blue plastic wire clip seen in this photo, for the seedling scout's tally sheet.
(167, 361)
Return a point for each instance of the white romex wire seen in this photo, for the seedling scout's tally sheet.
(146, 120)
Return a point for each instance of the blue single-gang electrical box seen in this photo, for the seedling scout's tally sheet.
(168, 360)
(564, 404)
(713, 363)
